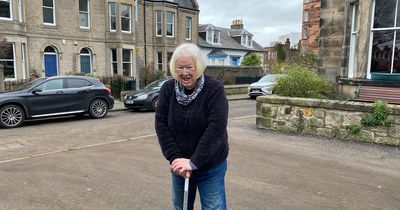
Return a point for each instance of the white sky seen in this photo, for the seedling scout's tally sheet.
(266, 19)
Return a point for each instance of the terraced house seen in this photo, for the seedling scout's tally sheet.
(103, 38)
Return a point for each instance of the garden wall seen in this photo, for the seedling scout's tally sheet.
(327, 118)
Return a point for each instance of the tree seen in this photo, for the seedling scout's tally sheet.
(251, 60)
(280, 53)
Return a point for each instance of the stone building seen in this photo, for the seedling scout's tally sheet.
(103, 38)
(310, 25)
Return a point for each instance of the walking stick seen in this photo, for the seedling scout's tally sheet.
(185, 194)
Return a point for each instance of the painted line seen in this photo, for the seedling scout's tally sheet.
(244, 117)
(75, 148)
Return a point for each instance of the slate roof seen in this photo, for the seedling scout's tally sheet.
(188, 4)
(226, 39)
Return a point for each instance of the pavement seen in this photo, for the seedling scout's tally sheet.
(119, 105)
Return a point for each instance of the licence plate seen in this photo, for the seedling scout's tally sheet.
(129, 102)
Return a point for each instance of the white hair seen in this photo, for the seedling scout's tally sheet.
(190, 50)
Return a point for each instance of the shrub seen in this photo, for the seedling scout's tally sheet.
(300, 82)
(353, 128)
(379, 115)
(251, 59)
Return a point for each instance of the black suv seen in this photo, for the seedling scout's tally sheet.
(53, 96)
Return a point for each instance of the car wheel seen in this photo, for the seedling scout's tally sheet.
(98, 108)
(11, 116)
(154, 104)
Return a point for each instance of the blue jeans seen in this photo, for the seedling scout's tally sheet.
(210, 182)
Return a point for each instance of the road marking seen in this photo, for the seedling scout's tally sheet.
(244, 117)
(75, 148)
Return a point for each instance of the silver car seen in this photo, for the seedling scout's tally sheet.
(263, 86)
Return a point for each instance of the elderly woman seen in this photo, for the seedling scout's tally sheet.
(191, 120)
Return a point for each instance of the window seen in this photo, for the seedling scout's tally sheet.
(5, 9)
(170, 24)
(114, 62)
(86, 61)
(249, 42)
(158, 23)
(77, 83)
(125, 18)
(385, 56)
(188, 24)
(243, 39)
(169, 56)
(7, 59)
(126, 62)
(305, 15)
(49, 12)
(305, 33)
(112, 16)
(213, 36)
(84, 18)
(159, 60)
(54, 84)
(19, 11)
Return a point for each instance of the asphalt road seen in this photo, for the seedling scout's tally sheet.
(116, 163)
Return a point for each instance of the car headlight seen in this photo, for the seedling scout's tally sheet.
(142, 97)
(127, 97)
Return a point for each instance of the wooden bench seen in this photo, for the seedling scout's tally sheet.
(373, 93)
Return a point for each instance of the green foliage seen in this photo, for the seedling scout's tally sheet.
(281, 55)
(300, 82)
(353, 128)
(307, 60)
(251, 59)
(379, 115)
(276, 68)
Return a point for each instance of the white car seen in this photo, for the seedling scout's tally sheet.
(263, 86)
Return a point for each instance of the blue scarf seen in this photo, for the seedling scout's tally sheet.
(184, 99)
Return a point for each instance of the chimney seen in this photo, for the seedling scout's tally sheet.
(237, 24)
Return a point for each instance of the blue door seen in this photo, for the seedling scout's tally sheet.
(85, 64)
(50, 65)
(235, 60)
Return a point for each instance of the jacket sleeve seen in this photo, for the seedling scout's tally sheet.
(167, 142)
(215, 134)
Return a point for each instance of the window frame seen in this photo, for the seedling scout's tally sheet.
(114, 71)
(110, 16)
(305, 33)
(159, 25)
(211, 35)
(172, 24)
(306, 16)
(90, 55)
(188, 28)
(10, 10)
(129, 18)
(160, 60)
(84, 12)
(127, 62)
(8, 60)
(54, 14)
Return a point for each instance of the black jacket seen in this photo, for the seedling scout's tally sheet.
(196, 131)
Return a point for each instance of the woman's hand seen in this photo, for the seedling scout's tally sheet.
(181, 166)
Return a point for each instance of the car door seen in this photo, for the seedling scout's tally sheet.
(47, 98)
(78, 94)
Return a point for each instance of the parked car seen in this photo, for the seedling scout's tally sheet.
(263, 86)
(53, 96)
(147, 98)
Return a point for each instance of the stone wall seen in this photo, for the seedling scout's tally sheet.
(327, 118)
(231, 75)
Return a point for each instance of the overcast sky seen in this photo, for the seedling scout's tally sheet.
(266, 19)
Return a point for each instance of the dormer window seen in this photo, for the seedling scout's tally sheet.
(213, 36)
(246, 40)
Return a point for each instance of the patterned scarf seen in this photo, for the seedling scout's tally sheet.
(184, 99)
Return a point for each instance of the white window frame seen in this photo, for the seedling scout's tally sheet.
(87, 13)
(160, 61)
(249, 42)
(211, 35)
(127, 62)
(110, 16)
(20, 11)
(54, 14)
(352, 64)
(23, 62)
(114, 62)
(10, 8)
(14, 63)
(159, 24)
(188, 28)
(306, 16)
(128, 18)
(170, 23)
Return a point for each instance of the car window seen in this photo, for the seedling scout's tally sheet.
(156, 84)
(53, 84)
(77, 83)
(268, 78)
(31, 84)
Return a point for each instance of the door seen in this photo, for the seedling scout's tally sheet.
(78, 94)
(50, 98)
(50, 64)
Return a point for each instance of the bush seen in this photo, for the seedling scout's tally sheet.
(353, 128)
(379, 115)
(300, 82)
(251, 60)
